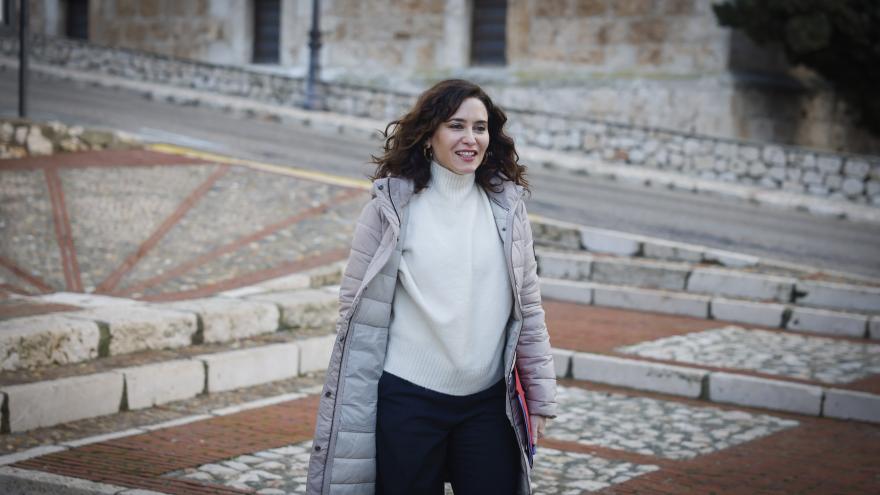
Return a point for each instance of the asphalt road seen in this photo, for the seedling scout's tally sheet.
(719, 222)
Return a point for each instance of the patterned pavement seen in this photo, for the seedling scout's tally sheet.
(197, 227)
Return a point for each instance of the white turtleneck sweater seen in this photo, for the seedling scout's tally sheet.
(453, 296)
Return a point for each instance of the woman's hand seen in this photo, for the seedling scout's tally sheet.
(538, 424)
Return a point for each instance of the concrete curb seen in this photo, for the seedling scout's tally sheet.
(52, 402)
(567, 235)
(741, 296)
(718, 387)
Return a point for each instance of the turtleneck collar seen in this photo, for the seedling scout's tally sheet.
(449, 184)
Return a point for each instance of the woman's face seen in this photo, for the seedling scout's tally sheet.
(460, 143)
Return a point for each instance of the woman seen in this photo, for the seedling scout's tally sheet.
(438, 304)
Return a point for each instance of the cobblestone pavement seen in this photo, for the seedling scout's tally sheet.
(797, 356)
(771, 353)
(69, 223)
(606, 440)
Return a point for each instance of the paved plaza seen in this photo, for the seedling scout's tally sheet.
(157, 227)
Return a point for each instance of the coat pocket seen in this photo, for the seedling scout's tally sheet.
(364, 364)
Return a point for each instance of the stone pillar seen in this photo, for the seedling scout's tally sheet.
(457, 33)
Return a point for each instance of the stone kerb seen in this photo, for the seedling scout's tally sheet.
(159, 383)
(849, 404)
(248, 367)
(838, 296)
(310, 308)
(44, 340)
(47, 403)
(753, 391)
(828, 322)
(721, 282)
(137, 328)
(225, 319)
(641, 375)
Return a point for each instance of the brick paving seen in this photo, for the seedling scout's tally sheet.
(264, 450)
(846, 363)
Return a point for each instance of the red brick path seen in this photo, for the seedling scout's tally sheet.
(139, 461)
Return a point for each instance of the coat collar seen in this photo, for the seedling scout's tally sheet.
(399, 191)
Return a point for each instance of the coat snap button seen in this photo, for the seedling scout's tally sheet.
(381, 187)
(328, 394)
(317, 448)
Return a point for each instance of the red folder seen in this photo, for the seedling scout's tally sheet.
(521, 395)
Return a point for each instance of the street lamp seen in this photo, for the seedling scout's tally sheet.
(22, 58)
(313, 99)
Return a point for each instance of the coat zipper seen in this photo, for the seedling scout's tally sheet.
(343, 359)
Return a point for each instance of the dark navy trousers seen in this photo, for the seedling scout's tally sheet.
(424, 437)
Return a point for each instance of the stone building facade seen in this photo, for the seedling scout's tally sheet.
(654, 63)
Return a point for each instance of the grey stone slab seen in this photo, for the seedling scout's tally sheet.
(224, 318)
(139, 328)
(309, 308)
(567, 266)
(555, 233)
(45, 340)
(638, 273)
(611, 242)
(562, 362)
(248, 367)
(17, 481)
(651, 300)
(567, 290)
(827, 322)
(731, 283)
(753, 391)
(641, 375)
(850, 404)
(672, 251)
(840, 296)
(58, 401)
(751, 312)
(730, 259)
(314, 352)
(159, 383)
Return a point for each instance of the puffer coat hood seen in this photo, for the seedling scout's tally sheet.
(343, 458)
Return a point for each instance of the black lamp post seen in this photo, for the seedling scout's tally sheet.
(22, 58)
(313, 99)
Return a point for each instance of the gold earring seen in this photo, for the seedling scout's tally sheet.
(429, 155)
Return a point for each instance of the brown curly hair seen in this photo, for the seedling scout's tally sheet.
(405, 139)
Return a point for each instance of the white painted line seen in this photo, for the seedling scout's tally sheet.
(177, 422)
(268, 401)
(104, 437)
(30, 454)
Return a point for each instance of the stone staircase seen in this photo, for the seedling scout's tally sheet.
(105, 355)
(613, 269)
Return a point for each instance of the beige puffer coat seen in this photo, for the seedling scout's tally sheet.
(343, 459)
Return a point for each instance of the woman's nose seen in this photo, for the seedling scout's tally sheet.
(469, 137)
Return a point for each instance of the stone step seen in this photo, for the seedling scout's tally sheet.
(768, 314)
(718, 386)
(68, 393)
(579, 238)
(109, 326)
(695, 278)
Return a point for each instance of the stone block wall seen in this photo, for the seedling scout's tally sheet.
(20, 138)
(617, 36)
(844, 176)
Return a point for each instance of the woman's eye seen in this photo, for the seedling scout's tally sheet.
(480, 129)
